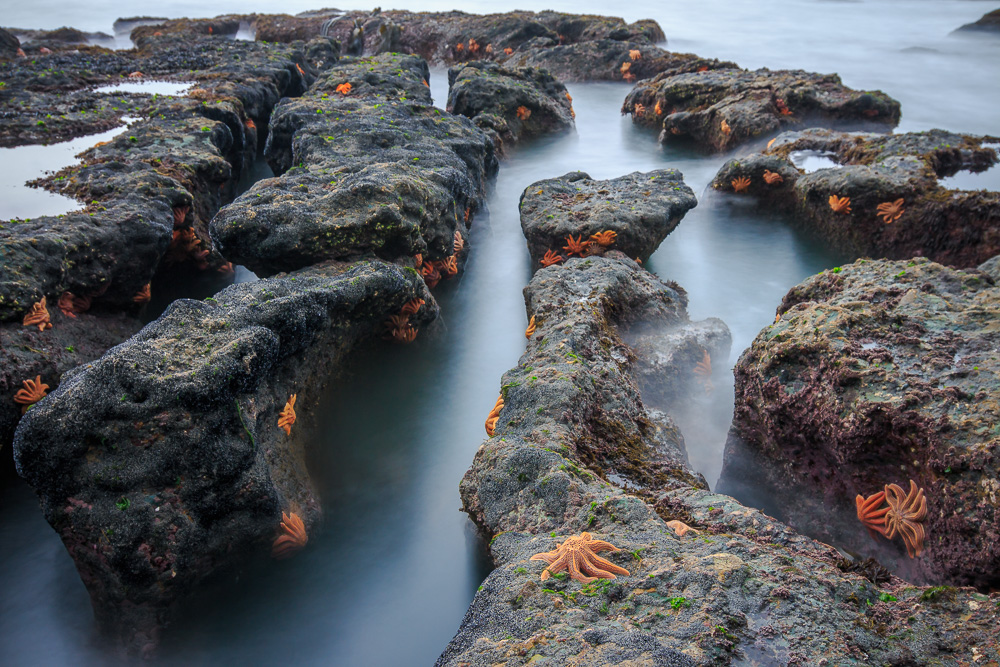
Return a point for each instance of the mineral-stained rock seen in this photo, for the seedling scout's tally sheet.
(718, 109)
(573, 452)
(511, 104)
(162, 464)
(875, 172)
(990, 22)
(641, 208)
(878, 373)
(367, 167)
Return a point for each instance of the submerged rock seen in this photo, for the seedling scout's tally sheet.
(162, 463)
(639, 208)
(510, 104)
(719, 109)
(878, 373)
(897, 207)
(368, 167)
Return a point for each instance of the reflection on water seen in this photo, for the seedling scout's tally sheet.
(810, 161)
(967, 180)
(147, 87)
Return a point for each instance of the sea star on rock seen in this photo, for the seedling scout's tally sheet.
(287, 415)
(473, 46)
(870, 514)
(578, 556)
(724, 126)
(405, 334)
(344, 89)
(292, 539)
(782, 107)
(840, 204)
(38, 315)
(550, 258)
(180, 212)
(635, 54)
(772, 178)
(508, 51)
(703, 372)
(605, 238)
(680, 528)
(143, 295)
(448, 266)
(70, 304)
(523, 112)
(494, 417)
(459, 243)
(906, 516)
(740, 184)
(411, 307)
(530, 331)
(431, 275)
(638, 110)
(397, 321)
(34, 391)
(771, 143)
(891, 211)
(658, 108)
(626, 66)
(135, 75)
(576, 246)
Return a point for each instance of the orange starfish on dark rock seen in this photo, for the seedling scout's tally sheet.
(34, 391)
(180, 212)
(840, 204)
(448, 266)
(494, 417)
(740, 184)
(405, 334)
(635, 54)
(870, 513)
(397, 321)
(658, 108)
(70, 304)
(550, 258)
(143, 295)
(508, 51)
(891, 211)
(287, 415)
(906, 516)
(344, 88)
(772, 178)
(576, 246)
(459, 243)
(411, 307)
(523, 112)
(38, 315)
(430, 274)
(605, 238)
(292, 539)
(638, 110)
(724, 126)
(680, 528)
(703, 371)
(578, 556)
(530, 331)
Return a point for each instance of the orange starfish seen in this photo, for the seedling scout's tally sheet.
(431, 275)
(299, 67)
(782, 107)
(840, 204)
(772, 178)
(658, 109)
(226, 269)
(460, 47)
(724, 126)
(550, 258)
(180, 212)
(628, 76)
(250, 125)
(473, 46)
(459, 244)
(891, 211)
(906, 516)
(287, 415)
(740, 184)
(494, 417)
(870, 515)
(143, 295)
(703, 371)
(576, 246)
(292, 539)
(635, 54)
(448, 266)
(523, 112)
(530, 331)
(489, 49)
(70, 304)
(405, 334)
(397, 321)
(34, 391)
(344, 88)
(578, 556)
(411, 307)
(605, 238)
(680, 528)
(771, 143)
(38, 315)
(508, 50)
(418, 260)
(638, 110)
(626, 66)
(135, 75)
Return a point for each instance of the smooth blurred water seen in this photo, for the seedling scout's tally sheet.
(388, 579)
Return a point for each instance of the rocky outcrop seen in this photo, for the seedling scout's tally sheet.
(990, 23)
(896, 207)
(719, 109)
(368, 167)
(9, 45)
(576, 450)
(162, 463)
(640, 209)
(878, 373)
(509, 104)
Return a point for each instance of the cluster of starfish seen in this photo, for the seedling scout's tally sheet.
(34, 391)
(293, 537)
(494, 417)
(903, 515)
(840, 204)
(703, 372)
(38, 316)
(626, 74)
(398, 327)
(597, 244)
(287, 415)
(187, 246)
(578, 556)
(70, 304)
(523, 112)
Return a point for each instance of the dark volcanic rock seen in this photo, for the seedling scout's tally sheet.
(953, 227)
(373, 170)
(9, 45)
(878, 373)
(510, 104)
(641, 208)
(722, 108)
(990, 22)
(162, 464)
(572, 436)
(65, 37)
(609, 60)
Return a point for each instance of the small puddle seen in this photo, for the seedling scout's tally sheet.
(968, 180)
(25, 202)
(148, 87)
(810, 161)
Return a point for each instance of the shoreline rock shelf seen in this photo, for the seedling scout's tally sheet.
(897, 208)
(876, 373)
(162, 463)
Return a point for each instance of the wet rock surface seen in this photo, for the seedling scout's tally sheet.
(878, 373)
(9, 44)
(640, 208)
(509, 104)
(990, 23)
(959, 228)
(368, 167)
(739, 587)
(162, 463)
(719, 109)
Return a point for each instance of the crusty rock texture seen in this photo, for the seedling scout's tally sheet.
(954, 227)
(162, 463)
(878, 373)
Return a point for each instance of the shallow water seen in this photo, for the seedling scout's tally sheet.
(388, 579)
(147, 87)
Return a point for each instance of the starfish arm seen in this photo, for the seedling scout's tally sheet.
(605, 566)
(574, 571)
(601, 545)
(549, 556)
